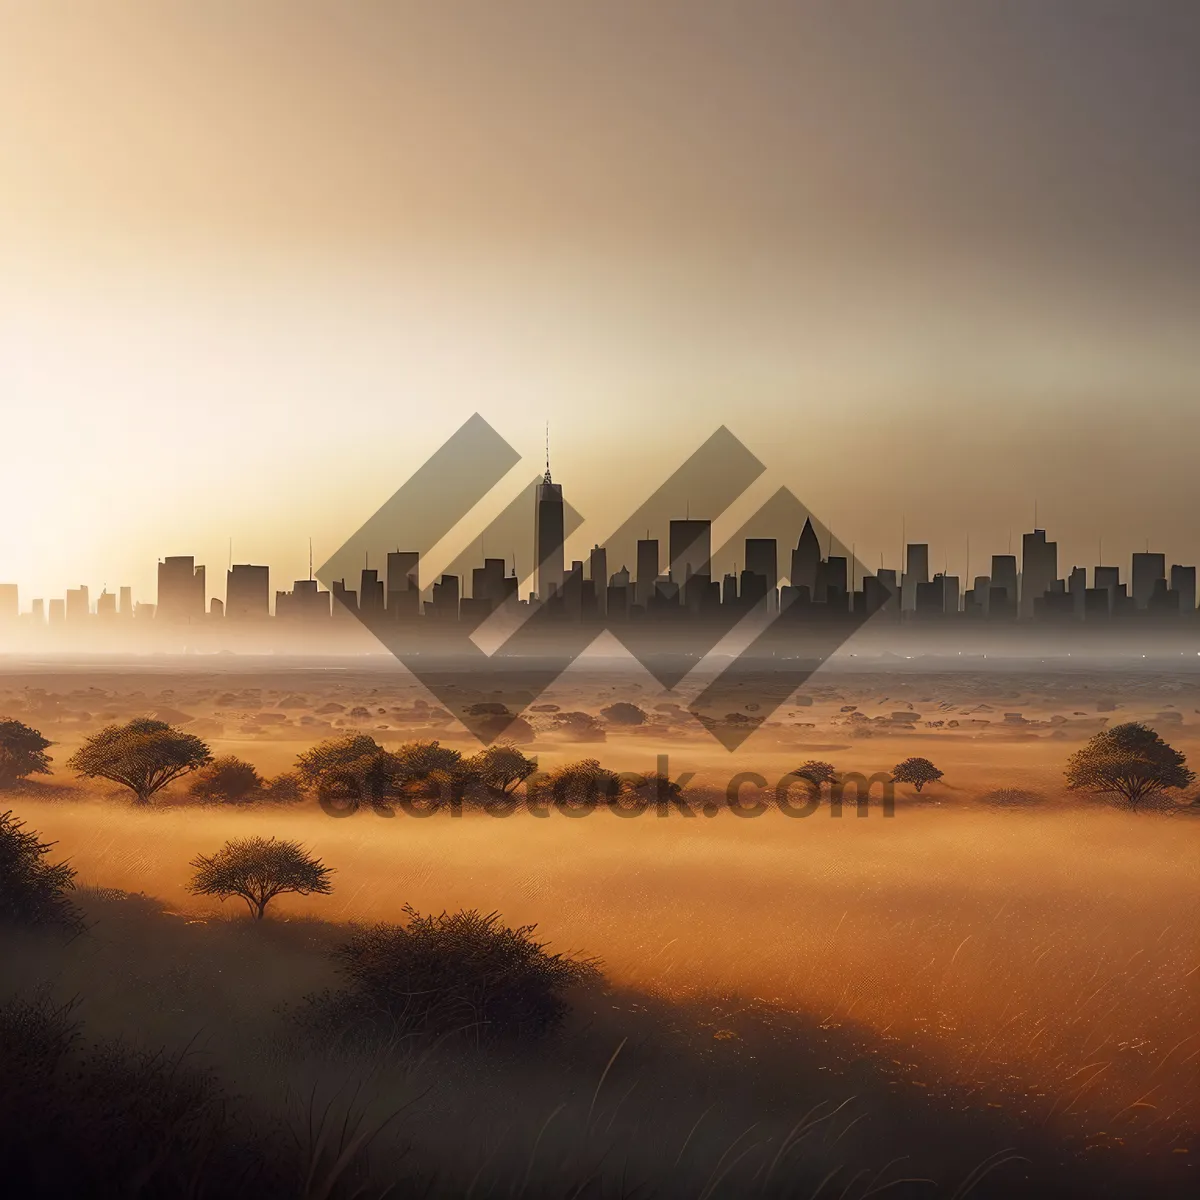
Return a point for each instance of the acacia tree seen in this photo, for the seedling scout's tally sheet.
(355, 766)
(258, 869)
(22, 752)
(144, 756)
(917, 771)
(501, 767)
(418, 761)
(817, 773)
(1130, 761)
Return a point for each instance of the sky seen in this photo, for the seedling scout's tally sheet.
(935, 263)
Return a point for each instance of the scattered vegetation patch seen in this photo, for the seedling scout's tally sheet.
(463, 972)
(32, 890)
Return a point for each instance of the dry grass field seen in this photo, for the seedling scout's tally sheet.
(993, 992)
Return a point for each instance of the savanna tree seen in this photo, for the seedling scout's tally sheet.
(354, 766)
(1130, 761)
(500, 767)
(145, 755)
(917, 771)
(22, 752)
(817, 773)
(419, 761)
(258, 869)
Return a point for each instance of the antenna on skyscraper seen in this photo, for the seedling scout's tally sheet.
(231, 554)
(310, 559)
(967, 571)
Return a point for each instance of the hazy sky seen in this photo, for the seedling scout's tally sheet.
(928, 260)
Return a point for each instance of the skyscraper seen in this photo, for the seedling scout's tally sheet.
(598, 571)
(1147, 568)
(916, 572)
(78, 605)
(1004, 575)
(762, 559)
(647, 571)
(8, 602)
(403, 582)
(1108, 578)
(1039, 568)
(247, 592)
(690, 549)
(181, 590)
(1183, 582)
(548, 537)
(806, 559)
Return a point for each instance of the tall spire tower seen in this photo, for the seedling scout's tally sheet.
(548, 533)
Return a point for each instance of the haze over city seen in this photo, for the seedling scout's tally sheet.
(934, 261)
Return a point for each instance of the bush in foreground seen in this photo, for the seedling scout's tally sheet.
(257, 870)
(32, 890)
(464, 971)
(102, 1120)
(22, 752)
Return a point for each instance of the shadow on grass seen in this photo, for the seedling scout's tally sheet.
(194, 1041)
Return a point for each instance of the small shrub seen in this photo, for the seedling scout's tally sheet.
(580, 727)
(623, 713)
(463, 971)
(33, 891)
(284, 788)
(1011, 797)
(229, 779)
